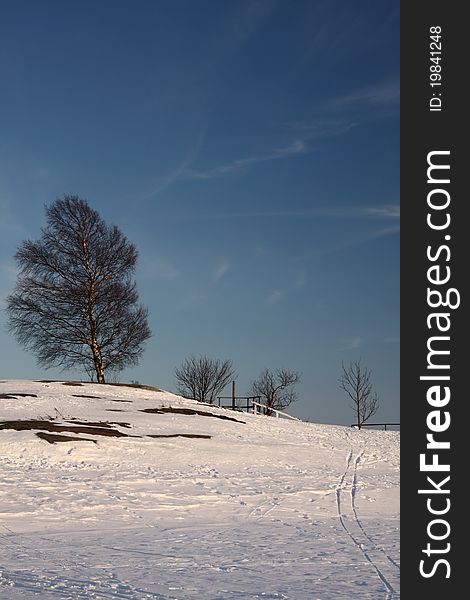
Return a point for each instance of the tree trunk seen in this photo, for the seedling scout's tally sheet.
(98, 361)
(95, 349)
(100, 373)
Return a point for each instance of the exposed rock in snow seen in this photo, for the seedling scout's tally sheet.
(177, 505)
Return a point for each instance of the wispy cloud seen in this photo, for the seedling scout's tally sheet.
(220, 270)
(361, 239)
(381, 94)
(359, 341)
(300, 277)
(178, 172)
(385, 212)
(243, 22)
(168, 180)
(191, 300)
(379, 233)
(320, 128)
(354, 342)
(389, 211)
(303, 130)
(159, 268)
(275, 296)
(295, 148)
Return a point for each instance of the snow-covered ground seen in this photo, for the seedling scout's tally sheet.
(264, 508)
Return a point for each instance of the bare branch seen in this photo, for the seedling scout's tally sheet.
(203, 378)
(276, 388)
(356, 382)
(75, 303)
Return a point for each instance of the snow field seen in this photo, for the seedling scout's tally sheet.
(267, 508)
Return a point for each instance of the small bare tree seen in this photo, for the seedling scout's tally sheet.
(75, 302)
(203, 378)
(276, 388)
(355, 381)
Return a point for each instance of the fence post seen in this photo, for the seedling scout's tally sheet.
(233, 395)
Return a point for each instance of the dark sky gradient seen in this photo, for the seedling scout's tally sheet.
(251, 151)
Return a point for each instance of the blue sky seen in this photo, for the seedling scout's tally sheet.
(250, 149)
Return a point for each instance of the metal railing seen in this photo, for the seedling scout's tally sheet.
(252, 404)
(384, 425)
(235, 402)
(260, 409)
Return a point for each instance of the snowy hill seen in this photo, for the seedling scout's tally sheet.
(120, 492)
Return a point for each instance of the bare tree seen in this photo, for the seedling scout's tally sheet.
(203, 378)
(276, 388)
(75, 303)
(355, 381)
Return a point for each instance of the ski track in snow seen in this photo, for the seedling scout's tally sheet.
(356, 531)
(267, 510)
(358, 521)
